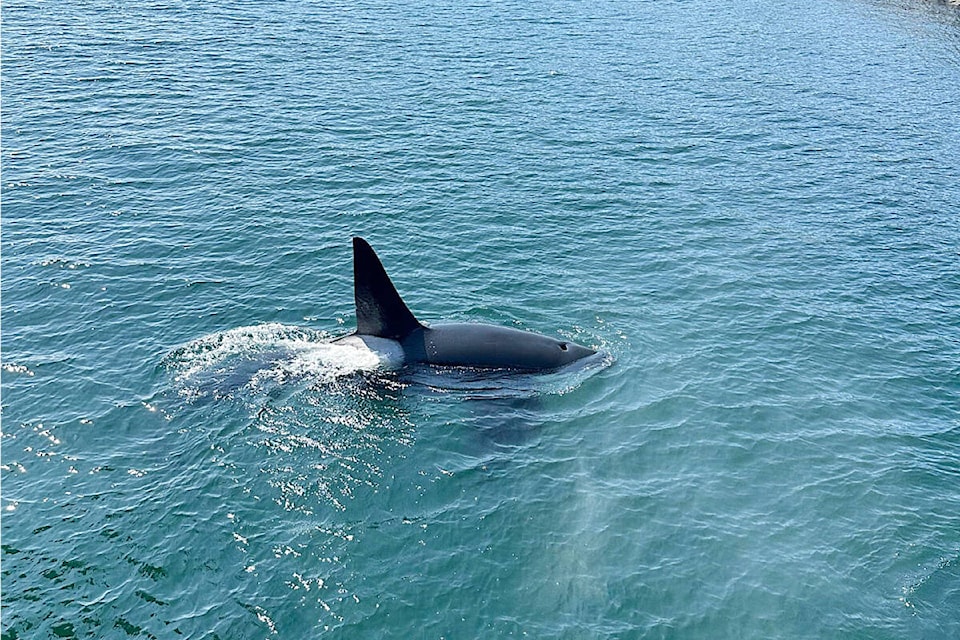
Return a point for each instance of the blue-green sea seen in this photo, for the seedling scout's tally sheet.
(752, 209)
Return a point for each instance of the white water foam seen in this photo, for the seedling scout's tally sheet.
(250, 357)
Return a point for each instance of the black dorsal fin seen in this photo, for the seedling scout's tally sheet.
(380, 309)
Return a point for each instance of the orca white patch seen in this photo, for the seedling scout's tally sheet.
(372, 352)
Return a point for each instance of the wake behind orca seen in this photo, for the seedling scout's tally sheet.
(386, 326)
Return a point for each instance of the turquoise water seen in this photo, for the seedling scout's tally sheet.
(752, 208)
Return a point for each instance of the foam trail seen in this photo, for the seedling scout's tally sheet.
(262, 355)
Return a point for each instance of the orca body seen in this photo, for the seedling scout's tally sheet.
(386, 326)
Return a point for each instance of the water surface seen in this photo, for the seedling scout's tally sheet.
(751, 208)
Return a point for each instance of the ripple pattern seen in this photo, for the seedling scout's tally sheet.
(750, 207)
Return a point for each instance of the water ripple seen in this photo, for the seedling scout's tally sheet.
(752, 216)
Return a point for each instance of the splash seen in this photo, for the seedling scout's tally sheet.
(256, 357)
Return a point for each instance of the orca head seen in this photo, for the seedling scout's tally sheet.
(535, 351)
(490, 346)
(571, 351)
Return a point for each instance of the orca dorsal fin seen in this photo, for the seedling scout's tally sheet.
(381, 311)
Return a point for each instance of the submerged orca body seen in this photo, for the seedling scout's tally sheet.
(384, 323)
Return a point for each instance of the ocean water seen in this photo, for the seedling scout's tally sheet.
(751, 208)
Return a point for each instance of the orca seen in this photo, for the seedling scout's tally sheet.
(385, 325)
